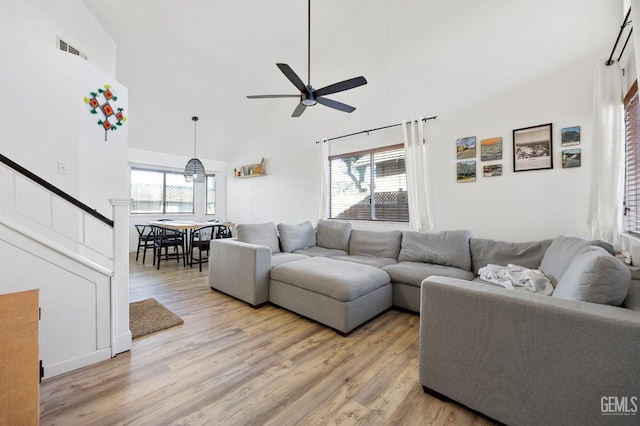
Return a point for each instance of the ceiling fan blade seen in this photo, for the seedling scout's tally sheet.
(299, 110)
(335, 104)
(271, 96)
(341, 86)
(293, 77)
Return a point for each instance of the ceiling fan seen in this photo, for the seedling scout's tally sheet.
(308, 95)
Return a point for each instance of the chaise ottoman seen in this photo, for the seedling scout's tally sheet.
(341, 295)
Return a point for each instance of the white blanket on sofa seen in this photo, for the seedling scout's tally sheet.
(515, 277)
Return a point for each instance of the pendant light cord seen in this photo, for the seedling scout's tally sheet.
(195, 122)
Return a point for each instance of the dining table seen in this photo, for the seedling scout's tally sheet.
(188, 226)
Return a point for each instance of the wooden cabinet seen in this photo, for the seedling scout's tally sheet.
(19, 359)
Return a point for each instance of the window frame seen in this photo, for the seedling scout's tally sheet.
(631, 204)
(206, 194)
(372, 177)
(163, 202)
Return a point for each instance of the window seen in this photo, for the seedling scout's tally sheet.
(632, 165)
(160, 192)
(369, 185)
(211, 194)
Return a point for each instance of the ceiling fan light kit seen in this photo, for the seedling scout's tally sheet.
(308, 95)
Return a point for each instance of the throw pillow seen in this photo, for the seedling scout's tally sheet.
(333, 234)
(449, 248)
(376, 244)
(295, 237)
(560, 253)
(594, 276)
(263, 234)
(527, 254)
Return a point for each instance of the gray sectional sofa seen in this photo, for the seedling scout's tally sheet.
(515, 356)
(247, 268)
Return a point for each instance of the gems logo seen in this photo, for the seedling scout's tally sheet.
(619, 405)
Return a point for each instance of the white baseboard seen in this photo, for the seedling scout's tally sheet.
(52, 370)
(121, 343)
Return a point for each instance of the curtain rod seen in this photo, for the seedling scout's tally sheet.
(622, 27)
(373, 130)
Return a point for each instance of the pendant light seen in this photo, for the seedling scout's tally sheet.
(194, 170)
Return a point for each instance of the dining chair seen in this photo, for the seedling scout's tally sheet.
(165, 239)
(146, 240)
(223, 231)
(171, 232)
(201, 241)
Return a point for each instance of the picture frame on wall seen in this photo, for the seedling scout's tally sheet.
(533, 148)
(466, 148)
(466, 171)
(570, 136)
(492, 170)
(571, 158)
(491, 149)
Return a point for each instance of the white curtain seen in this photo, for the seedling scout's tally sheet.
(604, 216)
(323, 179)
(417, 176)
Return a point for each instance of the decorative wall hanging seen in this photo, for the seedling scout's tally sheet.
(466, 148)
(492, 170)
(491, 149)
(101, 103)
(466, 171)
(532, 148)
(570, 136)
(571, 158)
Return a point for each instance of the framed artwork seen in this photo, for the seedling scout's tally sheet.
(533, 148)
(570, 135)
(466, 171)
(491, 149)
(466, 148)
(492, 170)
(571, 158)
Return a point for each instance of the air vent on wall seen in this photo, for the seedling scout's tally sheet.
(63, 45)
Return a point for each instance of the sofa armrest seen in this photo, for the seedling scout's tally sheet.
(524, 358)
(240, 270)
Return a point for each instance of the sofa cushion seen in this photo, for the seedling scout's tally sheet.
(321, 252)
(263, 234)
(378, 262)
(413, 273)
(449, 248)
(527, 254)
(331, 277)
(333, 234)
(594, 276)
(295, 237)
(280, 258)
(376, 244)
(632, 301)
(560, 253)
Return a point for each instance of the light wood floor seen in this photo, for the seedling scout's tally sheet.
(229, 364)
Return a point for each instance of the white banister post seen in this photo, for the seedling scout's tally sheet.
(120, 333)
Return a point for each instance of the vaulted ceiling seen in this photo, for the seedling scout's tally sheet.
(202, 57)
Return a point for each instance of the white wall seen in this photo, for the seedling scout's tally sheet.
(484, 68)
(45, 122)
(44, 118)
(75, 299)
